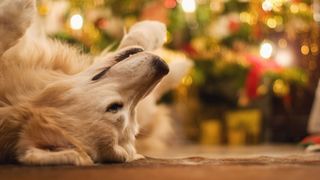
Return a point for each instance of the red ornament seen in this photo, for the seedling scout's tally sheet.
(190, 50)
(258, 67)
(170, 4)
(296, 1)
(101, 23)
(234, 26)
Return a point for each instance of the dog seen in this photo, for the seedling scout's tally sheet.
(58, 106)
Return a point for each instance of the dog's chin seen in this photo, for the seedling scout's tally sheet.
(159, 69)
(144, 91)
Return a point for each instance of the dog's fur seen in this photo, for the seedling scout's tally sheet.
(157, 131)
(58, 106)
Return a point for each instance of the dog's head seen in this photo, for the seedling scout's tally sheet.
(108, 90)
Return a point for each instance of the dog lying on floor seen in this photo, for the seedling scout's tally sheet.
(58, 106)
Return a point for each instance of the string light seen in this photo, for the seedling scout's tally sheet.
(316, 11)
(294, 8)
(280, 88)
(305, 49)
(272, 23)
(282, 43)
(266, 49)
(316, 17)
(267, 5)
(284, 57)
(188, 6)
(76, 22)
(303, 7)
(216, 6)
(246, 17)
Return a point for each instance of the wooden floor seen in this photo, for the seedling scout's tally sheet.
(192, 162)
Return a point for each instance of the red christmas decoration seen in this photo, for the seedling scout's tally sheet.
(258, 67)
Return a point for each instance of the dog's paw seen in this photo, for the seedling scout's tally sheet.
(83, 160)
(120, 154)
(150, 35)
(15, 17)
(138, 157)
(36, 156)
(154, 33)
(10, 8)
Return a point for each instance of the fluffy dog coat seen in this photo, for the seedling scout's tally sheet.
(58, 106)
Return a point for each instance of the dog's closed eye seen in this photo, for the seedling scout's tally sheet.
(114, 107)
(127, 53)
(99, 75)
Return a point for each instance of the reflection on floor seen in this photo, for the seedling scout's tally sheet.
(228, 151)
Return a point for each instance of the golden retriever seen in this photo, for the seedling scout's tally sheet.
(58, 106)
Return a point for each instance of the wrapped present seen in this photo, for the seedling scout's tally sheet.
(243, 127)
(210, 132)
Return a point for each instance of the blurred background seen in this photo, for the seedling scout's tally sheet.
(256, 62)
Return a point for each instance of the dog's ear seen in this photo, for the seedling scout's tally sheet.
(150, 35)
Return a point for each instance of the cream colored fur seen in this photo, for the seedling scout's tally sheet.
(155, 119)
(58, 106)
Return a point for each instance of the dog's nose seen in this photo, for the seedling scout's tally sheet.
(160, 65)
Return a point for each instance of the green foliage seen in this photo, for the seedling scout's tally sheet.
(218, 82)
(295, 76)
(243, 34)
(235, 6)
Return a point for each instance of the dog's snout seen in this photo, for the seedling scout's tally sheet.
(127, 53)
(160, 65)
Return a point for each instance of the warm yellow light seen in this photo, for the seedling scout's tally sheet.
(246, 17)
(305, 49)
(284, 58)
(294, 8)
(316, 17)
(282, 43)
(188, 6)
(266, 50)
(187, 80)
(262, 89)
(278, 3)
(275, 5)
(280, 88)
(303, 7)
(279, 20)
(272, 23)
(267, 5)
(76, 22)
